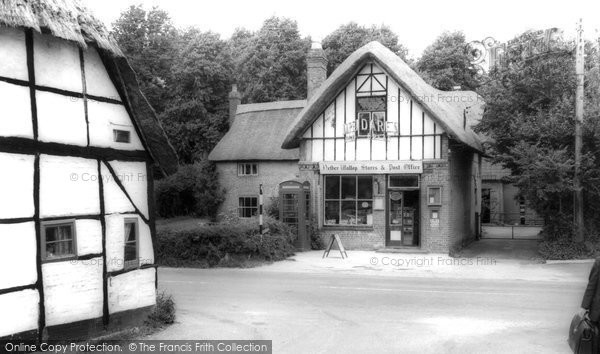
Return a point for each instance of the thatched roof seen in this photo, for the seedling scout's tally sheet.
(69, 20)
(66, 19)
(257, 133)
(447, 108)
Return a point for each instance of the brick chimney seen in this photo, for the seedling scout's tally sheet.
(316, 68)
(234, 100)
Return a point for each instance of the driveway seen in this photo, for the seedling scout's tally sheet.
(359, 310)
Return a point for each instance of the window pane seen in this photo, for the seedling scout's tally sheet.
(364, 123)
(51, 234)
(348, 187)
(348, 213)
(253, 201)
(332, 187)
(365, 187)
(254, 169)
(240, 169)
(376, 103)
(332, 213)
(365, 213)
(378, 123)
(248, 169)
(130, 232)
(130, 252)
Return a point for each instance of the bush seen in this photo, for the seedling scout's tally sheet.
(567, 249)
(192, 190)
(163, 313)
(217, 244)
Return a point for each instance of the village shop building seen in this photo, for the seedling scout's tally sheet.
(78, 142)
(380, 157)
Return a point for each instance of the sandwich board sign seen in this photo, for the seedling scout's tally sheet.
(335, 239)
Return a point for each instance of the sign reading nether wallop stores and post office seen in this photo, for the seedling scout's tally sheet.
(370, 167)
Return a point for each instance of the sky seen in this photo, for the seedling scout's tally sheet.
(417, 23)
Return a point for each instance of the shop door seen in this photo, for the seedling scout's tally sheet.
(403, 218)
(293, 210)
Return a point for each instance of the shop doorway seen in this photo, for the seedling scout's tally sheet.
(402, 218)
(294, 210)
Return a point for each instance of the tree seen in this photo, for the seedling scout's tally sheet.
(529, 116)
(445, 63)
(196, 117)
(270, 64)
(351, 36)
(148, 40)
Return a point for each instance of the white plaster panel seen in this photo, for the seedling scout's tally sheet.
(379, 151)
(339, 115)
(417, 123)
(72, 290)
(404, 148)
(132, 290)
(329, 120)
(89, 237)
(13, 53)
(20, 312)
(57, 63)
(363, 149)
(428, 145)
(339, 149)
(104, 118)
(318, 127)
(16, 118)
(133, 177)
(329, 150)
(350, 151)
(16, 186)
(417, 148)
(115, 241)
(404, 113)
(68, 186)
(115, 201)
(146, 248)
(17, 255)
(392, 102)
(393, 148)
(97, 80)
(317, 150)
(61, 119)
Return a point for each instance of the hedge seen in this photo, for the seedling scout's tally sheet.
(218, 244)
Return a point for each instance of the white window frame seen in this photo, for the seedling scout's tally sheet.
(58, 223)
(240, 207)
(242, 169)
(131, 264)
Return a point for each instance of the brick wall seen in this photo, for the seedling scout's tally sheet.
(270, 174)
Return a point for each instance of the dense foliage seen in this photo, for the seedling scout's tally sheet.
(351, 36)
(229, 243)
(445, 63)
(529, 116)
(193, 190)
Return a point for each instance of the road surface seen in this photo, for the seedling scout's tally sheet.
(341, 313)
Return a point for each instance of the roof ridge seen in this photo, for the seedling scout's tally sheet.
(270, 106)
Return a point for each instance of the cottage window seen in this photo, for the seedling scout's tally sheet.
(122, 136)
(348, 200)
(247, 169)
(58, 239)
(248, 207)
(131, 254)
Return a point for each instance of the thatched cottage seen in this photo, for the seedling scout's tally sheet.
(78, 142)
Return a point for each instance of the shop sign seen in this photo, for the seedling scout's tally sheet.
(369, 167)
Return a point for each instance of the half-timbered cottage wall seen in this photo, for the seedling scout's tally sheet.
(411, 133)
(59, 161)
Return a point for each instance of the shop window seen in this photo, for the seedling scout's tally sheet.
(131, 254)
(58, 240)
(348, 200)
(401, 181)
(248, 207)
(247, 169)
(434, 195)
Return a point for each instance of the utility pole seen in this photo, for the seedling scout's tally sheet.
(578, 193)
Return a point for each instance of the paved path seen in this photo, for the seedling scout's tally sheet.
(369, 311)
